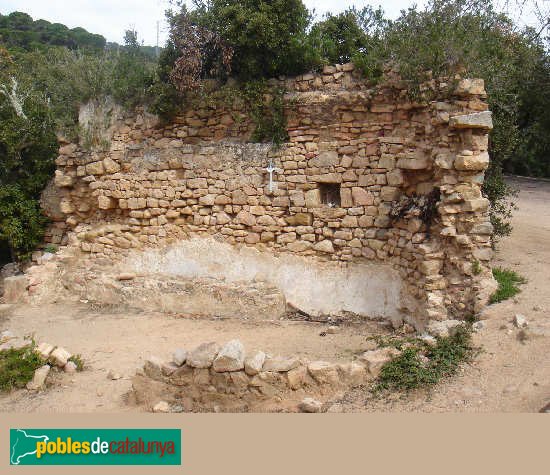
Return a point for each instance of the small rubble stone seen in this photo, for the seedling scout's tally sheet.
(60, 356)
(253, 363)
(442, 328)
(280, 364)
(310, 405)
(15, 288)
(230, 357)
(375, 359)
(70, 367)
(161, 406)
(153, 368)
(324, 372)
(112, 375)
(126, 276)
(203, 355)
(44, 350)
(39, 378)
(333, 329)
(520, 321)
(179, 356)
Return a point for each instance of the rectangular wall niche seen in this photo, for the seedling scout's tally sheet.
(330, 194)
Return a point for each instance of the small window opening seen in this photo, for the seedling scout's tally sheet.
(330, 194)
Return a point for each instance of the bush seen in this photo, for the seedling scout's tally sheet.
(267, 38)
(17, 367)
(421, 365)
(508, 281)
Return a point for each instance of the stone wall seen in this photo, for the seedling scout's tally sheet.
(214, 378)
(367, 177)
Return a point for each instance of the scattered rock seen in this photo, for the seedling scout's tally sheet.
(15, 288)
(336, 408)
(323, 372)
(297, 377)
(333, 329)
(375, 359)
(477, 326)
(153, 368)
(428, 339)
(230, 357)
(354, 373)
(126, 276)
(39, 378)
(60, 356)
(113, 375)
(253, 363)
(442, 328)
(179, 357)
(44, 350)
(310, 405)
(161, 406)
(520, 321)
(70, 367)
(280, 364)
(203, 355)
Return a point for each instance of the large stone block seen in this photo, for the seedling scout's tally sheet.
(472, 162)
(15, 288)
(477, 120)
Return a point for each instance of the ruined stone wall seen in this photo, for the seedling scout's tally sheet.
(354, 154)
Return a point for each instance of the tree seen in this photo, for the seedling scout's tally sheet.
(28, 148)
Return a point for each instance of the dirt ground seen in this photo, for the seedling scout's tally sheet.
(509, 375)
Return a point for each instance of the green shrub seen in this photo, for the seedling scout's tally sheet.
(508, 281)
(78, 361)
(420, 365)
(17, 366)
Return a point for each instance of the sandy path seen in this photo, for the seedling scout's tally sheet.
(121, 342)
(507, 376)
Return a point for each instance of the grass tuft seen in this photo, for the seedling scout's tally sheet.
(508, 282)
(421, 365)
(78, 361)
(17, 366)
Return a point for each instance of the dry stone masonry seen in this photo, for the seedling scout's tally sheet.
(367, 176)
(227, 378)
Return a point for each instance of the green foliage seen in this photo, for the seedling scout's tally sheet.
(78, 361)
(266, 107)
(422, 365)
(476, 267)
(51, 248)
(17, 366)
(28, 148)
(508, 281)
(19, 31)
(340, 37)
(268, 38)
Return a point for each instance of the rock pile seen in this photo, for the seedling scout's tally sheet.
(213, 378)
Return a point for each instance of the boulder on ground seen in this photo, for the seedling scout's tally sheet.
(203, 355)
(253, 363)
(60, 356)
(39, 378)
(15, 288)
(230, 357)
(375, 359)
(310, 405)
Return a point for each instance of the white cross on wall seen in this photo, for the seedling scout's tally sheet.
(270, 169)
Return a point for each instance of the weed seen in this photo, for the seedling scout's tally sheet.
(476, 267)
(17, 366)
(422, 365)
(508, 281)
(78, 361)
(50, 248)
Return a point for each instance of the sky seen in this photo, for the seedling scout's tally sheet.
(111, 18)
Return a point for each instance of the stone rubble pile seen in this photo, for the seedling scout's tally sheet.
(53, 357)
(211, 376)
